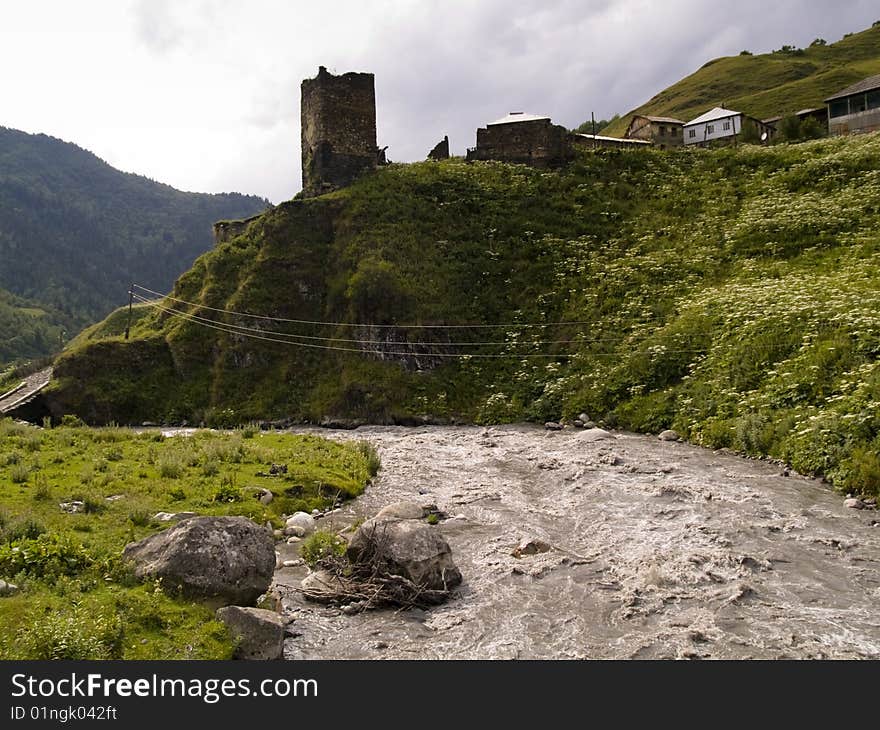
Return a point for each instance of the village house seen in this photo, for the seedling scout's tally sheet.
(526, 138)
(722, 126)
(662, 132)
(856, 108)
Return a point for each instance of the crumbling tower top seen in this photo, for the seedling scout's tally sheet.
(338, 130)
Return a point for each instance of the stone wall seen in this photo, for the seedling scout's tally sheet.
(538, 142)
(338, 130)
(227, 230)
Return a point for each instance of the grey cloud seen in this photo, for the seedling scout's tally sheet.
(155, 26)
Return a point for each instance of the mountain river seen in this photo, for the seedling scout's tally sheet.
(659, 550)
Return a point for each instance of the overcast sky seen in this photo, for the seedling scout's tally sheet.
(204, 94)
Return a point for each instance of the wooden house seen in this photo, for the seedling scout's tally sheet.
(856, 108)
(662, 132)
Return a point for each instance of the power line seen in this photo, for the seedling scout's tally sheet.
(353, 324)
(228, 329)
(580, 340)
(223, 328)
(319, 338)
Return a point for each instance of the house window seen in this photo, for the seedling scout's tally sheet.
(839, 108)
(859, 103)
(662, 131)
(726, 126)
(692, 133)
(710, 129)
(874, 99)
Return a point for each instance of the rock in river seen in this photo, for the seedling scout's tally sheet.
(404, 511)
(229, 560)
(408, 548)
(669, 435)
(259, 633)
(302, 520)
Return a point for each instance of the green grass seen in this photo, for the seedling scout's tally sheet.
(731, 294)
(766, 85)
(77, 599)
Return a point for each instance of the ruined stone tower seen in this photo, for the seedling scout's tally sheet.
(338, 130)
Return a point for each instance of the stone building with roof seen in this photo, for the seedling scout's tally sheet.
(855, 108)
(526, 138)
(662, 132)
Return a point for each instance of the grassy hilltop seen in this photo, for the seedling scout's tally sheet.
(731, 294)
(768, 84)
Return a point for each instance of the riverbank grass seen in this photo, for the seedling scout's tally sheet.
(72, 497)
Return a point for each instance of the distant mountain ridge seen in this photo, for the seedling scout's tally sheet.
(74, 232)
(768, 84)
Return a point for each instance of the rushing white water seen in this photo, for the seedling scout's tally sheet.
(660, 550)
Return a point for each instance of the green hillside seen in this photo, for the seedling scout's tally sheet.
(27, 330)
(74, 232)
(769, 84)
(731, 294)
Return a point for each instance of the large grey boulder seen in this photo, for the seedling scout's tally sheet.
(225, 560)
(323, 586)
(408, 548)
(302, 520)
(404, 511)
(595, 434)
(259, 633)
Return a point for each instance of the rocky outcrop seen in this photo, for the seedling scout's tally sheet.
(225, 560)
(259, 634)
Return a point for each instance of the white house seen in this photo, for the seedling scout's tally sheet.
(719, 124)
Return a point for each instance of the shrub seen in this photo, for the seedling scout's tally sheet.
(320, 545)
(42, 492)
(74, 634)
(25, 528)
(19, 473)
(368, 451)
(33, 441)
(864, 470)
(140, 517)
(71, 421)
(171, 466)
(250, 430)
(47, 556)
(227, 492)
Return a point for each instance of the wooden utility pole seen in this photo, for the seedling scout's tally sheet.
(130, 299)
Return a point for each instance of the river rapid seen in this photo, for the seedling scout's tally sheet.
(659, 550)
